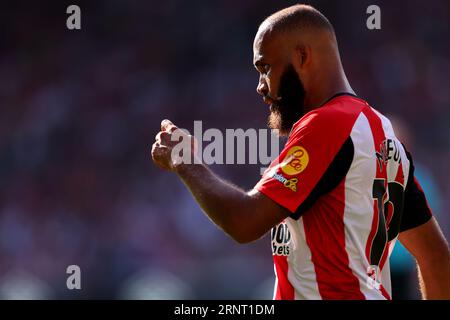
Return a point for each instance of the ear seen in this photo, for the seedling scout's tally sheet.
(303, 55)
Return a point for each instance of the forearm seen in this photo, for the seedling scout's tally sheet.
(243, 216)
(434, 277)
(225, 204)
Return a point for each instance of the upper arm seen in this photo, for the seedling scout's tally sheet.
(264, 214)
(419, 231)
(425, 242)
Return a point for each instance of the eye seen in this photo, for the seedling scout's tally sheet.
(263, 68)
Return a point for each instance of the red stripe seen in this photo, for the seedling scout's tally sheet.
(376, 127)
(284, 289)
(385, 293)
(384, 257)
(325, 236)
(373, 229)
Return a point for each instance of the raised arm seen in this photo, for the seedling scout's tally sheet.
(245, 216)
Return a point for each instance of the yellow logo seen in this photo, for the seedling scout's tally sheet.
(291, 184)
(296, 161)
(288, 183)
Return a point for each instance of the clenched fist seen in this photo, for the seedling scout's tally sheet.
(173, 147)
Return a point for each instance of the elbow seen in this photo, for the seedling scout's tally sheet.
(242, 226)
(243, 239)
(244, 236)
(239, 233)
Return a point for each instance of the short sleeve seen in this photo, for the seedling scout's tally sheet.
(309, 151)
(416, 210)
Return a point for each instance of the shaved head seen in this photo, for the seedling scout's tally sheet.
(299, 25)
(296, 53)
(299, 17)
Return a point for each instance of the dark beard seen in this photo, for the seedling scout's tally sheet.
(290, 106)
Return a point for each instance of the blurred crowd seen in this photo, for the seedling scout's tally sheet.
(79, 111)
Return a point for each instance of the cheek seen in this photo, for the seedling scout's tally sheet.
(273, 82)
(272, 86)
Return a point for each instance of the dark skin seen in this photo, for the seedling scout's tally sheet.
(247, 216)
(314, 55)
(244, 216)
(428, 245)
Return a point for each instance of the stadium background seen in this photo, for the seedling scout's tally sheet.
(79, 111)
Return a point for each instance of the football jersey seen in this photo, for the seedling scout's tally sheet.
(349, 185)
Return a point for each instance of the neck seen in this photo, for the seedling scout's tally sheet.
(326, 88)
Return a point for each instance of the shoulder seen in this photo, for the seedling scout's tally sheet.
(335, 117)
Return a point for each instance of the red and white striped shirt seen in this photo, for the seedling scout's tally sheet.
(350, 186)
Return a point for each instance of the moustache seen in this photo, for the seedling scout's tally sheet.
(271, 100)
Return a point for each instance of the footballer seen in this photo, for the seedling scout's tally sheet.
(340, 193)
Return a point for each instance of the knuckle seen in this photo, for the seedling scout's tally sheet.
(165, 135)
(159, 135)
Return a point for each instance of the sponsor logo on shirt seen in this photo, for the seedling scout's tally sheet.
(288, 183)
(281, 238)
(295, 161)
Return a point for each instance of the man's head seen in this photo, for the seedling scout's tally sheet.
(295, 51)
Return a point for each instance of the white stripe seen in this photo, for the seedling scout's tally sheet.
(358, 212)
(392, 170)
(386, 275)
(276, 283)
(301, 273)
(393, 166)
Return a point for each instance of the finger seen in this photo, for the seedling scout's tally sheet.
(159, 148)
(156, 157)
(167, 125)
(158, 152)
(162, 137)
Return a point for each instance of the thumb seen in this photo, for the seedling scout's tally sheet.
(167, 125)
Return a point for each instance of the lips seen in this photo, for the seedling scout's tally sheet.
(273, 106)
(267, 100)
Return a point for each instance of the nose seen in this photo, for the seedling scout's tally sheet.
(262, 87)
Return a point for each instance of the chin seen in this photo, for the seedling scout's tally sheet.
(275, 122)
